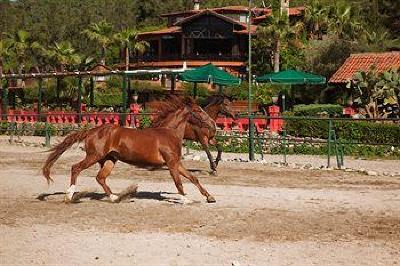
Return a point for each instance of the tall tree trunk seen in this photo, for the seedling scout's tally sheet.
(277, 55)
(126, 58)
(103, 56)
(1, 84)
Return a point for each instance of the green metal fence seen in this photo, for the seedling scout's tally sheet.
(330, 137)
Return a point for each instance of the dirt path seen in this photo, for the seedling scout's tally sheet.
(263, 216)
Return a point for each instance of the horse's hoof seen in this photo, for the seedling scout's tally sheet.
(70, 198)
(211, 199)
(214, 173)
(114, 198)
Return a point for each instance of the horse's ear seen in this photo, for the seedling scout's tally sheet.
(189, 101)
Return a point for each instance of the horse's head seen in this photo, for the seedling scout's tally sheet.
(226, 108)
(201, 119)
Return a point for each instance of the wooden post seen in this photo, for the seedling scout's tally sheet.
(159, 49)
(220, 89)
(58, 91)
(124, 99)
(40, 95)
(4, 98)
(129, 93)
(173, 83)
(91, 92)
(195, 90)
(79, 111)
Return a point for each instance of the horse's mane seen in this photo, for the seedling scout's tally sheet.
(215, 100)
(171, 104)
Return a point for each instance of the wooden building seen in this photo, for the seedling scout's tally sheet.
(196, 37)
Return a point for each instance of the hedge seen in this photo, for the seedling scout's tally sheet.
(237, 145)
(353, 131)
(317, 109)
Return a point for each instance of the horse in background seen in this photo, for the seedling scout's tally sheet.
(145, 148)
(215, 106)
(203, 129)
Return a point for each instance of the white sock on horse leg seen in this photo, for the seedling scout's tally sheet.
(71, 190)
(114, 197)
(185, 200)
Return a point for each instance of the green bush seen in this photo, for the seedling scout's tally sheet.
(353, 131)
(240, 145)
(3, 128)
(317, 109)
(145, 121)
(108, 99)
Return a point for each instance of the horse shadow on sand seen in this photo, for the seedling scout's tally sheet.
(128, 195)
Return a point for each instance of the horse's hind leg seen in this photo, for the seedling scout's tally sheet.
(105, 171)
(75, 171)
(182, 170)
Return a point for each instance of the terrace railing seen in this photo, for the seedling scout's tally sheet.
(193, 56)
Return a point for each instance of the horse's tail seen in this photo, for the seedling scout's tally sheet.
(58, 150)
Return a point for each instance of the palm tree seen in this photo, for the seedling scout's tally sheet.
(63, 55)
(101, 33)
(280, 34)
(316, 18)
(20, 46)
(344, 23)
(128, 39)
(4, 53)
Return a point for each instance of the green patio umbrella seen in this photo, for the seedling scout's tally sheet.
(209, 74)
(292, 77)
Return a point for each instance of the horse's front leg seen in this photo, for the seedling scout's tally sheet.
(219, 150)
(213, 166)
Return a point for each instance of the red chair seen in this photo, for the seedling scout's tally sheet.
(260, 124)
(116, 119)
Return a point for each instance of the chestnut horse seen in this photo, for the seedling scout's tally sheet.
(206, 135)
(151, 147)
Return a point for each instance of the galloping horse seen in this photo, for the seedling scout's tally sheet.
(206, 135)
(149, 147)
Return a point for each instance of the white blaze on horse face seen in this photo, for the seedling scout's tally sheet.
(114, 197)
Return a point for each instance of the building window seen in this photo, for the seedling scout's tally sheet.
(243, 18)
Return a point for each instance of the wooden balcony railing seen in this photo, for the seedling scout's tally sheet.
(172, 57)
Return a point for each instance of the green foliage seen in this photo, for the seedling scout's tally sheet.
(109, 98)
(264, 92)
(353, 131)
(318, 110)
(145, 120)
(370, 88)
(202, 91)
(238, 92)
(240, 145)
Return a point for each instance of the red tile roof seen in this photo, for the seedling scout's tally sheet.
(253, 29)
(208, 12)
(363, 62)
(169, 30)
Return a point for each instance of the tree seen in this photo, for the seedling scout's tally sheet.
(316, 18)
(101, 33)
(279, 34)
(20, 46)
(4, 54)
(64, 56)
(371, 88)
(344, 23)
(128, 39)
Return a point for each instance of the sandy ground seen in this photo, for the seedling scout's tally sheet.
(263, 216)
